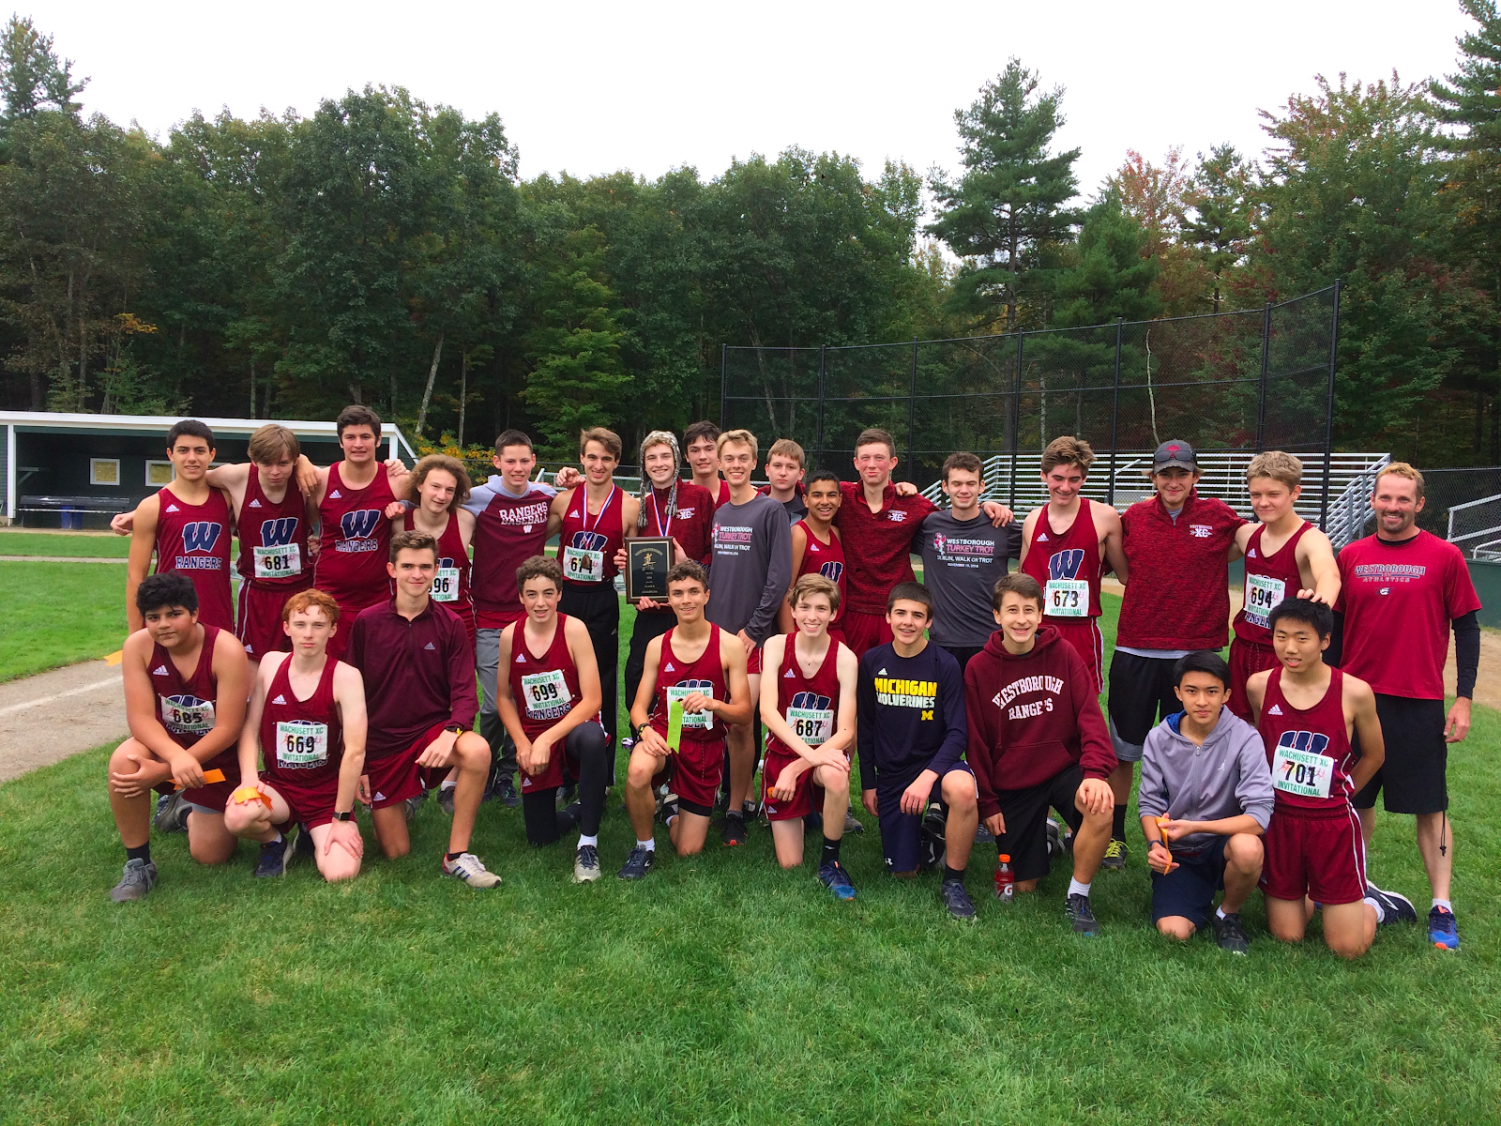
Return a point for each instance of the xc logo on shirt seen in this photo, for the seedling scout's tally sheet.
(359, 524)
(1310, 741)
(1065, 564)
(811, 700)
(589, 541)
(200, 535)
(279, 532)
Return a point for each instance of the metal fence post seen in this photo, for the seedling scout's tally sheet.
(1266, 356)
(818, 453)
(1329, 406)
(1115, 409)
(724, 354)
(1016, 418)
(912, 416)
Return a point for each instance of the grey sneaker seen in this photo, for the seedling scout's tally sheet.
(1230, 935)
(412, 805)
(852, 824)
(171, 813)
(139, 878)
(1081, 916)
(445, 798)
(467, 867)
(586, 865)
(1115, 856)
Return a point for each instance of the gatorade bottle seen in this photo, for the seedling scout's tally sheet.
(1005, 880)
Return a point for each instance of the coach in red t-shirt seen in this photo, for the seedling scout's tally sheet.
(1178, 548)
(1403, 589)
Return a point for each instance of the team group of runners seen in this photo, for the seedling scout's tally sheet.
(793, 641)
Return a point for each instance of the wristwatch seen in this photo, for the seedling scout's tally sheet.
(641, 730)
(457, 729)
(347, 815)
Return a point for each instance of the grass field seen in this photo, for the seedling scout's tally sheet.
(720, 989)
(53, 614)
(77, 545)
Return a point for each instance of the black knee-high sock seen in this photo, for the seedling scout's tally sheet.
(1118, 824)
(587, 749)
(830, 851)
(539, 811)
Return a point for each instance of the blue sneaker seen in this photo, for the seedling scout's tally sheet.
(837, 880)
(1395, 908)
(638, 863)
(956, 901)
(1443, 932)
(273, 861)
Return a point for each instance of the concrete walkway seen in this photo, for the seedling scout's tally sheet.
(50, 716)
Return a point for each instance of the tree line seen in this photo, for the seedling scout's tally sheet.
(385, 251)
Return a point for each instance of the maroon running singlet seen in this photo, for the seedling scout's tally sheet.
(826, 559)
(185, 705)
(451, 584)
(273, 564)
(545, 689)
(698, 765)
(193, 539)
(302, 744)
(356, 546)
(1067, 564)
(810, 705)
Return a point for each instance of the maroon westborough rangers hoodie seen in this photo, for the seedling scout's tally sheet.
(1031, 717)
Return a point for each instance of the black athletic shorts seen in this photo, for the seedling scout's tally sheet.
(962, 654)
(1412, 776)
(1141, 694)
(1188, 890)
(1026, 813)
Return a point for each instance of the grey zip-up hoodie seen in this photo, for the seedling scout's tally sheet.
(1225, 777)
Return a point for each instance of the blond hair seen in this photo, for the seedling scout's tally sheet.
(740, 438)
(1401, 469)
(269, 442)
(786, 447)
(1278, 466)
(606, 438)
(1067, 450)
(814, 584)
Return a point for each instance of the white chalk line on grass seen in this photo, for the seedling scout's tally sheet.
(40, 700)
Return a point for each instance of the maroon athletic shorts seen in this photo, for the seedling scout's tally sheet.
(1246, 657)
(258, 618)
(863, 632)
(1322, 855)
(694, 774)
(1084, 635)
(807, 797)
(396, 777)
(311, 806)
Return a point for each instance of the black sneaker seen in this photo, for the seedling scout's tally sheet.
(1080, 915)
(171, 813)
(956, 900)
(568, 819)
(1055, 840)
(1115, 855)
(638, 863)
(667, 808)
(983, 835)
(445, 798)
(505, 792)
(932, 848)
(813, 822)
(568, 792)
(1394, 908)
(733, 831)
(273, 861)
(302, 846)
(1229, 934)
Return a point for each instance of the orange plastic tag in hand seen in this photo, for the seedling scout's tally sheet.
(248, 794)
(1162, 828)
(209, 777)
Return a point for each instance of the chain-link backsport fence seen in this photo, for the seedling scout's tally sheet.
(1228, 382)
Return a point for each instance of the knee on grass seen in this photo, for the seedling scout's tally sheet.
(1176, 926)
(337, 865)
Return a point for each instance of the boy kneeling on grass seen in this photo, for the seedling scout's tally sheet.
(307, 718)
(808, 707)
(1205, 791)
(1037, 739)
(911, 738)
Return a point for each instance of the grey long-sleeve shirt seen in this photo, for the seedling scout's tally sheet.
(1225, 777)
(751, 567)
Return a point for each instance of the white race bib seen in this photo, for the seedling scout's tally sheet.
(703, 720)
(812, 725)
(1262, 597)
(583, 566)
(1067, 598)
(278, 562)
(187, 715)
(301, 744)
(446, 585)
(547, 695)
(1302, 772)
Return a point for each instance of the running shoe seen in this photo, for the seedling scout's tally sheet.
(1055, 839)
(932, 847)
(505, 790)
(413, 804)
(1081, 916)
(445, 798)
(852, 824)
(667, 808)
(467, 867)
(171, 813)
(273, 859)
(837, 880)
(983, 835)
(956, 901)
(568, 792)
(586, 865)
(302, 845)
(139, 878)
(733, 832)
(1395, 908)
(1443, 931)
(568, 819)
(638, 863)
(1229, 933)
(1115, 855)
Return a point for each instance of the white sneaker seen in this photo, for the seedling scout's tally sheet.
(586, 865)
(469, 869)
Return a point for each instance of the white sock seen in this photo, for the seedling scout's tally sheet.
(448, 786)
(1219, 912)
(650, 844)
(1445, 904)
(1076, 888)
(1380, 911)
(588, 841)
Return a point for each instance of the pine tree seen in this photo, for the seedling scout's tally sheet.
(1218, 221)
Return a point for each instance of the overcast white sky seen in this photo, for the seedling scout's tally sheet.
(595, 87)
